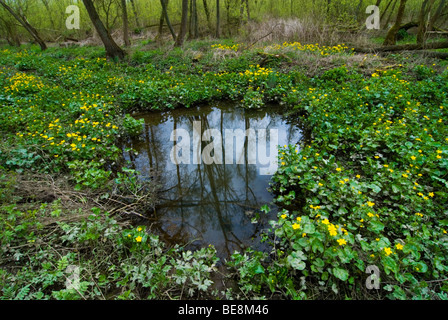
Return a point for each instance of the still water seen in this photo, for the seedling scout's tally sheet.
(214, 164)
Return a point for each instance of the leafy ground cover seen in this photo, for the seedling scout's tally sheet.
(369, 189)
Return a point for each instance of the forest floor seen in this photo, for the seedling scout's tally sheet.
(369, 189)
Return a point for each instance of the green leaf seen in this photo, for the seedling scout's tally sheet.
(375, 188)
(309, 228)
(259, 269)
(390, 265)
(375, 226)
(295, 260)
(341, 274)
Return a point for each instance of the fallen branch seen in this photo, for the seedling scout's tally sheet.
(404, 47)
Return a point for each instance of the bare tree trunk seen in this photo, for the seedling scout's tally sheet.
(436, 15)
(183, 25)
(126, 40)
(11, 35)
(193, 29)
(218, 19)
(385, 11)
(167, 19)
(207, 14)
(112, 49)
(26, 25)
(134, 10)
(391, 35)
(421, 33)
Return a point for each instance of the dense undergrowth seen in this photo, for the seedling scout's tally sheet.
(369, 189)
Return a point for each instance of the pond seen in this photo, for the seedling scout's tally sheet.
(214, 164)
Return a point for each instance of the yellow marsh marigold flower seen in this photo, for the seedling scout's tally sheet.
(283, 216)
(342, 242)
(332, 230)
(296, 226)
(399, 246)
(370, 204)
(387, 251)
(138, 239)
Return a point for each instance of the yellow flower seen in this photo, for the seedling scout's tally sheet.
(370, 204)
(413, 158)
(283, 216)
(387, 251)
(138, 239)
(338, 169)
(299, 219)
(303, 235)
(332, 230)
(342, 242)
(325, 221)
(399, 246)
(296, 226)
(139, 229)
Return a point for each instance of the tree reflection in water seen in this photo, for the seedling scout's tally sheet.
(210, 204)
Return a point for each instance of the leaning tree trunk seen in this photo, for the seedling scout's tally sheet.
(26, 25)
(391, 35)
(436, 15)
(112, 49)
(164, 4)
(183, 25)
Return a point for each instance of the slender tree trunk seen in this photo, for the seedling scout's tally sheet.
(126, 40)
(167, 19)
(218, 19)
(422, 26)
(161, 19)
(112, 49)
(385, 11)
(183, 24)
(134, 10)
(436, 15)
(358, 10)
(248, 10)
(196, 20)
(207, 14)
(391, 35)
(193, 29)
(26, 25)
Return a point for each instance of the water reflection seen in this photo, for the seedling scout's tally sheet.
(211, 203)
